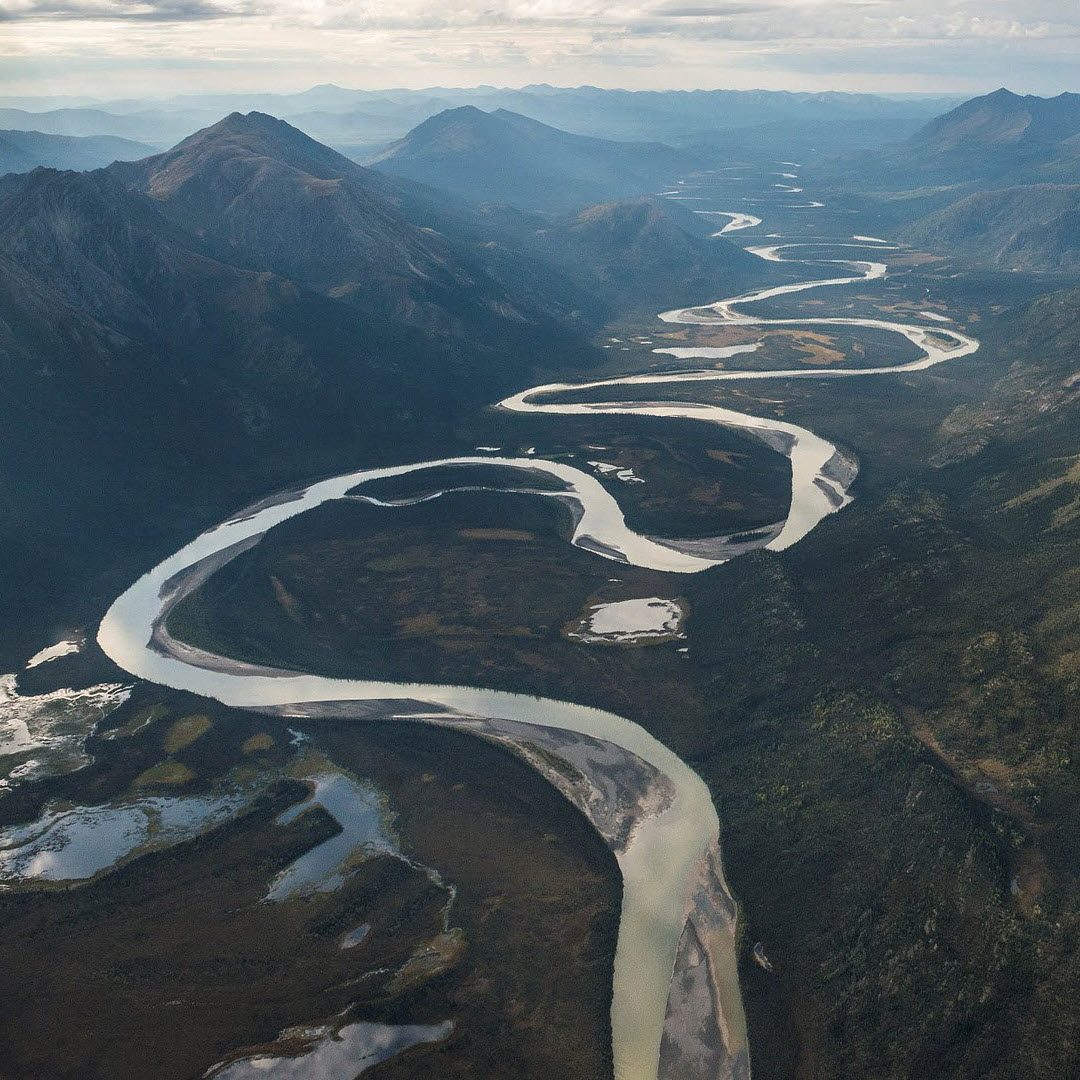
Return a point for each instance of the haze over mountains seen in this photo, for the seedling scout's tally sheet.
(21, 151)
(993, 181)
(507, 158)
(354, 119)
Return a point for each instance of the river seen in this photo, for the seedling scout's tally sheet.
(676, 1008)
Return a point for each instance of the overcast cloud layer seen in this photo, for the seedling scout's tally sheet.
(102, 47)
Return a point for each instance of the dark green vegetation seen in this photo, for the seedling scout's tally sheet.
(473, 588)
(163, 967)
(886, 713)
(895, 725)
(671, 478)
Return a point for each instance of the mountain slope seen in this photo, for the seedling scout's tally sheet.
(21, 151)
(1031, 227)
(638, 253)
(504, 157)
(1003, 122)
(160, 371)
(995, 141)
(145, 378)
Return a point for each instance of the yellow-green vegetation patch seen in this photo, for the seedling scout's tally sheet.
(431, 959)
(138, 722)
(1063, 515)
(496, 534)
(403, 560)
(185, 731)
(257, 743)
(167, 773)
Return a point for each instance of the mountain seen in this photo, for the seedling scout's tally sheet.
(504, 157)
(638, 253)
(995, 141)
(1005, 124)
(258, 193)
(171, 346)
(21, 151)
(1002, 138)
(1031, 227)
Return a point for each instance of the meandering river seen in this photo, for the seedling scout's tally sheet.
(676, 1010)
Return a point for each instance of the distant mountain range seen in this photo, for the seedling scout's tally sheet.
(357, 121)
(507, 158)
(21, 151)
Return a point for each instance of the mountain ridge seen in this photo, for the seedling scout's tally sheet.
(502, 156)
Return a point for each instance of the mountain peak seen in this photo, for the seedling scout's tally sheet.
(242, 139)
(459, 112)
(252, 123)
(1001, 119)
(508, 158)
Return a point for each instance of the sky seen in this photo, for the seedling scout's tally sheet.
(115, 48)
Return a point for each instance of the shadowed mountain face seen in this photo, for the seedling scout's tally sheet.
(21, 151)
(256, 192)
(251, 308)
(1032, 227)
(171, 343)
(640, 252)
(504, 157)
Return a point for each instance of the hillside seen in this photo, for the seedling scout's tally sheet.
(148, 312)
(1011, 126)
(1031, 227)
(507, 158)
(21, 151)
(642, 252)
(991, 142)
(895, 725)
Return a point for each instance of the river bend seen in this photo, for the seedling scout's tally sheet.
(676, 1010)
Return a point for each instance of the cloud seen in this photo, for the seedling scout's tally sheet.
(713, 11)
(853, 20)
(135, 10)
(789, 43)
